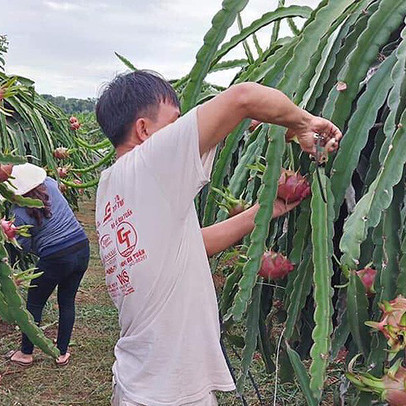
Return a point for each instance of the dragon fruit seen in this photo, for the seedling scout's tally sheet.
(292, 186)
(62, 188)
(367, 276)
(392, 324)
(79, 182)
(231, 204)
(274, 266)
(5, 172)
(391, 387)
(75, 126)
(61, 153)
(63, 171)
(74, 123)
(10, 231)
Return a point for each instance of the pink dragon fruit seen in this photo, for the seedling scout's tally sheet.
(274, 266)
(61, 153)
(10, 231)
(292, 186)
(63, 171)
(74, 123)
(392, 324)
(5, 172)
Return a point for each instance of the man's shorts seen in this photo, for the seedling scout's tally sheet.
(117, 399)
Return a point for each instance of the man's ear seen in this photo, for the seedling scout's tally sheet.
(139, 129)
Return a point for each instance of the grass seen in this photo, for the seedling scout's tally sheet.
(87, 379)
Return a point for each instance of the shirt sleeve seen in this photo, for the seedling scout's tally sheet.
(172, 156)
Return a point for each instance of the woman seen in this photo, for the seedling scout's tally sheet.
(59, 241)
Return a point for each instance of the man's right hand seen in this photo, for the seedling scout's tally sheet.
(220, 115)
(305, 134)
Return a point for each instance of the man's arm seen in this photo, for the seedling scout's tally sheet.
(223, 235)
(219, 116)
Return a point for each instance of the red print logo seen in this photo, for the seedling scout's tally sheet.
(126, 239)
(107, 212)
(105, 241)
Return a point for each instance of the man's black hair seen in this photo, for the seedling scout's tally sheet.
(129, 97)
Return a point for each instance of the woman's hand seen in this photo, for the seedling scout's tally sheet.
(305, 134)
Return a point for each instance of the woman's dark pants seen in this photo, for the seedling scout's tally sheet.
(63, 269)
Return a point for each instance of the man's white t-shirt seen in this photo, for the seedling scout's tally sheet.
(157, 271)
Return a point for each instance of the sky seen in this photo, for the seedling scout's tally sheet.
(67, 46)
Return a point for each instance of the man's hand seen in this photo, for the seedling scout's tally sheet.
(316, 125)
(280, 207)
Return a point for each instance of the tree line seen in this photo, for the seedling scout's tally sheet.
(72, 105)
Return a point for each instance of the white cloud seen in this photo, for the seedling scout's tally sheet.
(62, 6)
(68, 47)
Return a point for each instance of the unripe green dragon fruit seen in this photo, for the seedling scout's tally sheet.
(391, 387)
(231, 204)
(392, 324)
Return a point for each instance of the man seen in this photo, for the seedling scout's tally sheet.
(151, 244)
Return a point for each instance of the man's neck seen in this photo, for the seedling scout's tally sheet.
(124, 148)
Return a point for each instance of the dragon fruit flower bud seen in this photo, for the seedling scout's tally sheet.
(367, 276)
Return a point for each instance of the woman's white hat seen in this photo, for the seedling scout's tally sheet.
(26, 177)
